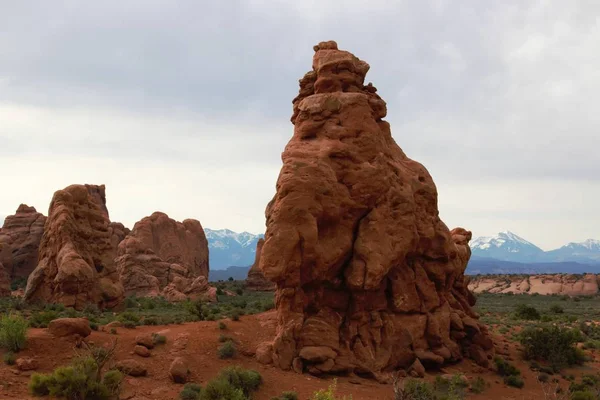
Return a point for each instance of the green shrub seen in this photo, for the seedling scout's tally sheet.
(478, 385)
(83, 379)
(526, 312)
(553, 344)
(10, 358)
(505, 368)
(328, 394)
(113, 331)
(191, 391)
(514, 381)
(13, 332)
(583, 395)
(450, 389)
(232, 383)
(235, 315)
(227, 350)
(246, 379)
(556, 309)
(222, 325)
(543, 377)
(93, 326)
(42, 319)
(286, 396)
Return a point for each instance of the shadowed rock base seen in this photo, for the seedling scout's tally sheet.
(369, 279)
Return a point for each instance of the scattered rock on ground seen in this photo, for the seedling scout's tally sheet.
(70, 326)
(179, 370)
(131, 367)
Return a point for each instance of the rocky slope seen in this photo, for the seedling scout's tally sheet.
(20, 237)
(76, 255)
(369, 279)
(164, 257)
(561, 284)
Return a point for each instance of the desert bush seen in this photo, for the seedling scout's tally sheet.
(235, 315)
(9, 358)
(553, 344)
(191, 391)
(83, 379)
(514, 381)
(232, 383)
(286, 396)
(556, 309)
(328, 394)
(523, 311)
(222, 325)
(505, 368)
(413, 389)
(129, 318)
(450, 389)
(41, 319)
(13, 332)
(227, 350)
(478, 385)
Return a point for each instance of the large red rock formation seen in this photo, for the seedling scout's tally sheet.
(256, 280)
(21, 235)
(4, 280)
(76, 256)
(369, 279)
(164, 257)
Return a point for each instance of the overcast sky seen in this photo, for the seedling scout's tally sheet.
(184, 106)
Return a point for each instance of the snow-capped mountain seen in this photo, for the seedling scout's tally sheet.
(506, 246)
(581, 252)
(227, 248)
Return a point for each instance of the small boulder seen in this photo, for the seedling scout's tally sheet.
(141, 351)
(145, 339)
(62, 327)
(179, 370)
(416, 370)
(26, 364)
(264, 353)
(131, 367)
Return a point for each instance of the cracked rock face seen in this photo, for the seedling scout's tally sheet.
(369, 279)
(76, 255)
(20, 236)
(164, 257)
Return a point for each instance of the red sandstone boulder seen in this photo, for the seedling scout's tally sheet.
(76, 255)
(62, 327)
(20, 239)
(131, 367)
(367, 274)
(256, 280)
(179, 370)
(164, 257)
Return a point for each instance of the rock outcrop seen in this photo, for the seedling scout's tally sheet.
(546, 284)
(20, 238)
(77, 252)
(164, 257)
(256, 280)
(369, 279)
(4, 280)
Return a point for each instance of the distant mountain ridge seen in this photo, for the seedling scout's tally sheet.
(227, 248)
(507, 246)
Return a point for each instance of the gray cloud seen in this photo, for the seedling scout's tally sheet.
(480, 92)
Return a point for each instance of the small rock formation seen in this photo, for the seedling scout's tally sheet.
(141, 351)
(20, 239)
(76, 255)
(26, 364)
(545, 284)
(146, 340)
(164, 257)
(63, 327)
(256, 280)
(369, 279)
(179, 370)
(131, 367)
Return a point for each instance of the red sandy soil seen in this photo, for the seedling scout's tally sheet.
(201, 350)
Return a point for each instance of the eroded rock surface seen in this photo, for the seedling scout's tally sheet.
(20, 239)
(256, 280)
(164, 257)
(369, 279)
(548, 284)
(76, 255)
